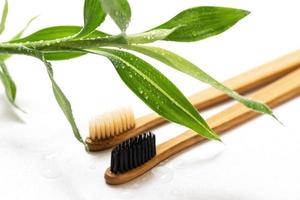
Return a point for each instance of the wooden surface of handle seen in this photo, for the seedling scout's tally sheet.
(273, 95)
(242, 83)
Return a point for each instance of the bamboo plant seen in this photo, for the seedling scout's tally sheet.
(150, 85)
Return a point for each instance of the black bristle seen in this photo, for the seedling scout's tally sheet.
(146, 148)
(121, 159)
(114, 160)
(139, 153)
(133, 153)
(130, 158)
(126, 159)
(153, 146)
(143, 153)
(149, 153)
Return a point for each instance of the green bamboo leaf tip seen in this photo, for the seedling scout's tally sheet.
(119, 11)
(201, 22)
(93, 17)
(4, 16)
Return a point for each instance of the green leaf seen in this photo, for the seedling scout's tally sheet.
(64, 55)
(160, 94)
(177, 62)
(202, 22)
(119, 11)
(61, 99)
(56, 32)
(150, 36)
(17, 36)
(145, 37)
(63, 102)
(9, 85)
(4, 16)
(93, 17)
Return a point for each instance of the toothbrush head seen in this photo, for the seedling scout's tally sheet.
(108, 125)
(133, 153)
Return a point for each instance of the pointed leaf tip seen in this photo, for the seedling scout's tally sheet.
(4, 16)
(119, 11)
(93, 17)
(202, 22)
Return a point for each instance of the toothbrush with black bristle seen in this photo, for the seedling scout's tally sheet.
(133, 153)
(139, 154)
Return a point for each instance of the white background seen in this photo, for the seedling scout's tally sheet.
(40, 159)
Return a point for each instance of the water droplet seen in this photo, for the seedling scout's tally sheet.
(181, 164)
(146, 97)
(93, 165)
(50, 169)
(163, 174)
(130, 75)
(50, 172)
(141, 91)
(49, 157)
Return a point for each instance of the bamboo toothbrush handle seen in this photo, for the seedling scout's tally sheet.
(273, 95)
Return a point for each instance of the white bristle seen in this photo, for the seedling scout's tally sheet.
(110, 124)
